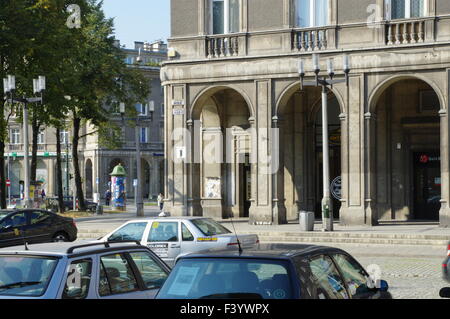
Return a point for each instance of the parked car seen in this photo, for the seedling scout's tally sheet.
(446, 265)
(53, 205)
(272, 271)
(34, 226)
(170, 237)
(86, 271)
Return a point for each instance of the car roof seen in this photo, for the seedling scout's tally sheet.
(60, 249)
(277, 251)
(168, 218)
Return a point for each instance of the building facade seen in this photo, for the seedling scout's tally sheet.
(251, 137)
(96, 161)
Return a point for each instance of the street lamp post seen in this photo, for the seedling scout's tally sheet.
(9, 86)
(327, 210)
(138, 196)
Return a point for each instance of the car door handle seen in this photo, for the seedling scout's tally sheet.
(175, 246)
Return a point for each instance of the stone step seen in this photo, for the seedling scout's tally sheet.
(352, 235)
(348, 240)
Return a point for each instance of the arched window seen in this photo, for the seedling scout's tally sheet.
(311, 13)
(225, 16)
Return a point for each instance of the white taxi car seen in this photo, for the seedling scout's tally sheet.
(170, 237)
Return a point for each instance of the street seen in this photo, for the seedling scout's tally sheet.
(412, 271)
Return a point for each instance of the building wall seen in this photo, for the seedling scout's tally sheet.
(262, 67)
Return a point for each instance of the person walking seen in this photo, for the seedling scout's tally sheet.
(43, 194)
(160, 201)
(108, 195)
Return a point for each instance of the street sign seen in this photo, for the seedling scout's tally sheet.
(178, 111)
(97, 180)
(135, 182)
(8, 182)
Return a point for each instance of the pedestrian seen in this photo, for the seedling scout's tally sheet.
(43, 194)
(108, 195)
(160, 201)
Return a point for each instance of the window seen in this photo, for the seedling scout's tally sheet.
(16, 220)
(78, 280)
(225, 16)
(35, 271)
(116, 276)
(165, 231)
(131, 231)
(185, 233)
(64, 136)
(38, 217)
(405, 9)
(210, 227)
(355, 277)
(15, 136)
(327, 279)
(144, 135)
(151, 272)
(142, 109)
(206, 277)
(41, 137)
(311, 13)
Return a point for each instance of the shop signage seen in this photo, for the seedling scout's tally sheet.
(336, 188)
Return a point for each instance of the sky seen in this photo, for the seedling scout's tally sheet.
(139, 20)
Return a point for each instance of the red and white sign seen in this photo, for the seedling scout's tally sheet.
(8, 182)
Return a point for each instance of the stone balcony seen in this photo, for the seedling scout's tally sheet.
(410, 31)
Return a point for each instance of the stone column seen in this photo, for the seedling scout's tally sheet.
(444, 212)
(175, 149)
(353, 180)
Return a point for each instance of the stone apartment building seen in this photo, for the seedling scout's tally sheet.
(232, 87)
(97, 162)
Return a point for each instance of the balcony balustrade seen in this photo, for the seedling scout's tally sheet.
(222, 46)
(311, 39)
(405, 32)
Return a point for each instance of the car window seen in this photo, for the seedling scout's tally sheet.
(210, 227)
(116, 276)
(327, 279)
(78, 279)
(163, 231)
(16, 220)
(25, 276)
(131, 231)
(354, 275)
(220, 277)
(186, 234)
(38, 217)
(151, 272)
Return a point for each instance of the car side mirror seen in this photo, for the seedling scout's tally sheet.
(384, 287)
(444, 292)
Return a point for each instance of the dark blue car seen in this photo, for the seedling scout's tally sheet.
(272, 271)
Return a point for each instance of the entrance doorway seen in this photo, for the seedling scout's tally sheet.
(246, 185)
(427, 185)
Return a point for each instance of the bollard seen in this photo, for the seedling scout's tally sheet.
(99, 210)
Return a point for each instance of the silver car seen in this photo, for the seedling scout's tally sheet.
(170, 237)
(87, 271)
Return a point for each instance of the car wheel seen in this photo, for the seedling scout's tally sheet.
(60, 237)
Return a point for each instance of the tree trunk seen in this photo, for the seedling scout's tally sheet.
(3, 191)
(35, 126)
(76, 166)
(59, 171)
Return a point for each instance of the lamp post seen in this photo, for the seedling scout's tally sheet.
(138, 196)
(325, 82)
(9, 86)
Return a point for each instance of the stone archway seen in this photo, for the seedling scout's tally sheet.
(405, 148)
(299, 120)
(220, 169)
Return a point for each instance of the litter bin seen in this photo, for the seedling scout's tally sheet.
(306, 220)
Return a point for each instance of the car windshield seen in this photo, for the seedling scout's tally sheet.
(217, 278)
(25, 276)
(210, 227)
